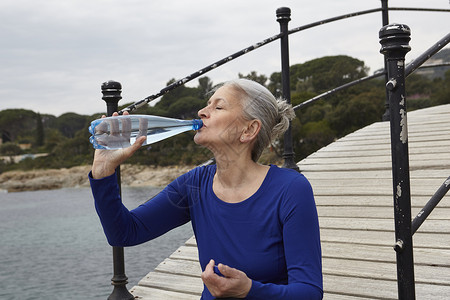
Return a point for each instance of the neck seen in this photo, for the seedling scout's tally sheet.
(234, 165)
(234, 173)
(237, 180)
(238, 170)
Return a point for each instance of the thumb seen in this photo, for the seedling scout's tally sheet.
(129, 151)
(137, 144)
(140, 140)
(211, 263)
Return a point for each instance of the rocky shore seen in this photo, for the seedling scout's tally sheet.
(132, 175)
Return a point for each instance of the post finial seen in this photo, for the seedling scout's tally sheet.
(395, 37)
(111, 91)
(283, 14)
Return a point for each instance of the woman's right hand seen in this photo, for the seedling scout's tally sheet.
(106, 161)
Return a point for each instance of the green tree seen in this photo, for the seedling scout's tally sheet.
(53, 138)
(311, 137)
(69, 123)
(16, 122)
(185, 108)
(175, 94)
(356, 112)
(205, 85)
(253, 75)
(441, 90)
(39, 131)
(274, 85)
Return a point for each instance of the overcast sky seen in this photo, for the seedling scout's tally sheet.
(55, 54)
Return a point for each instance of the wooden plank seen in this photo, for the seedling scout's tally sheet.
(424, 157)
(386, 238)
(360, 287)
(342, 192)
(383, 190)
(185, 253)
(436, 130)
(173, 282)
(377, 212)
(336, 167)
(377, 253)
(342, 146)
(364, 201)
(330, 296)
(357, 154)
(384, 139)
(382, 270)
(380, 130)
(379, 289)
(374, 182)
(440, 174)
(180, 267)
(430, 226)
(191, 241)
(144, 292)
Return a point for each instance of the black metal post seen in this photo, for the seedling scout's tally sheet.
(111, 91)
(283, 17)
(394, 40)
(385, 21)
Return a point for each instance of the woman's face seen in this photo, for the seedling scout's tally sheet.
(223, 121)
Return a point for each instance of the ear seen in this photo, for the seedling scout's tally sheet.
(251, 131)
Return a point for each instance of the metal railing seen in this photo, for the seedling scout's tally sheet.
(393, 40)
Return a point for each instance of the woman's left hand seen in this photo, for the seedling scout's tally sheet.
(235, 283)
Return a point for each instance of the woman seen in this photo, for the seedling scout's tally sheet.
(257, 223)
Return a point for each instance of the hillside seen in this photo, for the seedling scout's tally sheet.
(65, 139)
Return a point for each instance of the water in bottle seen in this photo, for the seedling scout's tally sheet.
(122, 131)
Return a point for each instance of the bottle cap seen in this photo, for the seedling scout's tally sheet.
(197, 124)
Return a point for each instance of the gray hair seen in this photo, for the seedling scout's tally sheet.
(259, 103)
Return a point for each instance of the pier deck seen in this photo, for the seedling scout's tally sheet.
(352, 183)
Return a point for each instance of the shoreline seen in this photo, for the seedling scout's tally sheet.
(50, 179)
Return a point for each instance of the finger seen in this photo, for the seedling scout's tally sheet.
(217, 271)
(140, 141)
(226, 270)
(209, 269)
(133, 148)
(115, 114)
(143, 127)
(114, 123)
(210, 265)
(126, 128)
(101, 128)
(126, 113)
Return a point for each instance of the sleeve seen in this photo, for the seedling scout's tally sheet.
(155, 217)
(301, 238)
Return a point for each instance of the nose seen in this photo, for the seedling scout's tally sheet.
(203, 113)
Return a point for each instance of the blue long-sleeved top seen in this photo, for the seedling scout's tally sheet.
(273, 236)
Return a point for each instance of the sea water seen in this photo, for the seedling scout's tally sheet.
(52, 245)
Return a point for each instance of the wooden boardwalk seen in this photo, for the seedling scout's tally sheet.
(352, 184)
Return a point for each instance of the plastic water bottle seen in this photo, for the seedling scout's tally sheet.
(122, 131)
